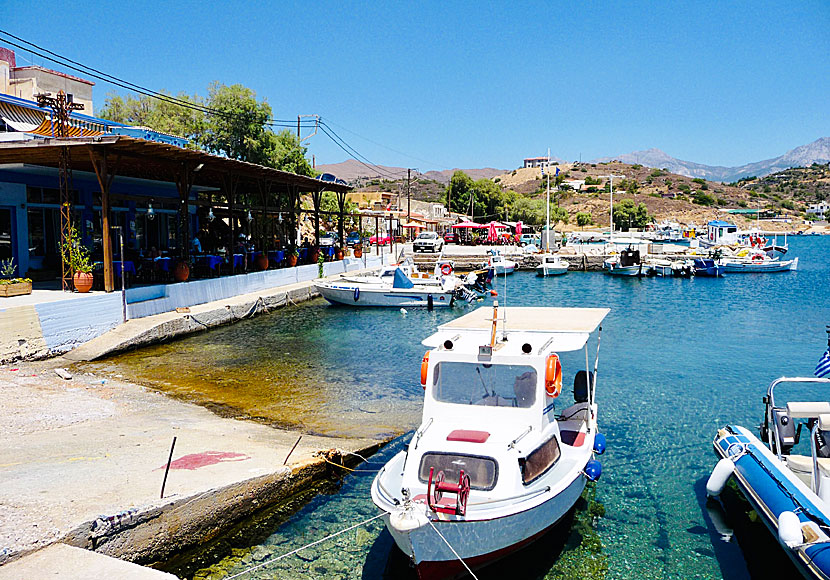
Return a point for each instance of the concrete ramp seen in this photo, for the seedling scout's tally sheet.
(63, 562)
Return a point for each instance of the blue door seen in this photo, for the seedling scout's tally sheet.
(8, 241)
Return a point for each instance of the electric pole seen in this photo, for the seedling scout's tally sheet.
(61, 108)
(408, 200)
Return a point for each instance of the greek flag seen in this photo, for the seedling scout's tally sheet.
(823, 366)
(557, 171)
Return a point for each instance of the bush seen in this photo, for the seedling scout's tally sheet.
(636, 166)
(742, 203)
(722, 201)
(703, 199)
(787, 204)
(700, 181)
(684, 187)
(655, 173)
(584, 218)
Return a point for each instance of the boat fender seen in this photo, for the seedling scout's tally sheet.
(593, 470)
(446, 269)
(356, 294)
(789, 530)
(599, 444)
(720, 475)
(424, 367)
(493, 293)
(409, 518)
(430, 303)
(553, 376)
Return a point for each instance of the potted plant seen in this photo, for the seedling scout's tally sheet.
(314, 254)
(338, 253)
(261, 261)
(293, 255)
(9, 285)
(321, 261)
(358, 250)
(76, 255)
(181, 271)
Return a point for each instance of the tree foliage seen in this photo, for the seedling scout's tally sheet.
(584, 218)
(628, 215)
(238, 130)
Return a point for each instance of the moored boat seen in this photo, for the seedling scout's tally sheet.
(501, 265)
(551, 265)
(756, 264)
(706, 267)
(789, 490)
(393, 287)
(627, 263)
(493, 466)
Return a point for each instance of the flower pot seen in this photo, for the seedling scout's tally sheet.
(181, 272)
(358, 251)
(313, 255)
(261, 262)
(82, 281)
(15, 289)
(338, 254)
(292, 260)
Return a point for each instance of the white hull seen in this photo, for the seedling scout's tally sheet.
(501, 270)
(638, 270)
(551, 271)
(483, 540)
(357, 295)
(751, 267)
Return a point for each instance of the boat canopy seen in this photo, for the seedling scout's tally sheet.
(555, 329)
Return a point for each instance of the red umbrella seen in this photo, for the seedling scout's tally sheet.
(492, 236)
(518, 228)
(470, 225)
(497, 225)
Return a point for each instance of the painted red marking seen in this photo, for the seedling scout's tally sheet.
(573, 438)
(205, 458)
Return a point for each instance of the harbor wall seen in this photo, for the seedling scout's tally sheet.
(51, 328)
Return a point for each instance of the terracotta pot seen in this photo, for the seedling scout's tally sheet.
(338, 254)
(292, 260)
(313, 255)
(181, 272)
(358, 251)
(261, 262)
(82, 281)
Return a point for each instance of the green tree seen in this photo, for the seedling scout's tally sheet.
(703, 199)
(584, 218)
(628, 215)
(238, 128)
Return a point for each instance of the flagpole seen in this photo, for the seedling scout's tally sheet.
(547, 207)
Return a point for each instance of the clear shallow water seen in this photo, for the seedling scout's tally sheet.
(679, 359)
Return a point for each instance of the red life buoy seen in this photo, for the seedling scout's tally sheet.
(757, 258)
(553, 376)
(446, 269)
(424, 367)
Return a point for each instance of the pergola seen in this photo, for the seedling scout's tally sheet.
(109, 156)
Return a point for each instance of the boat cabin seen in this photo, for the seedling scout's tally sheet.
(721, 233)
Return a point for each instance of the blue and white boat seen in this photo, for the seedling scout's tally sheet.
(392, 288)
(495, 462)
(708, 268)
(787, 484)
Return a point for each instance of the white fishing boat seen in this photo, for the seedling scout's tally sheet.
(393, 287)
(671, 268)
(786, 480)
(627, 263)
(551, 265)
(501, 265)
(757, 264)
(493, 464)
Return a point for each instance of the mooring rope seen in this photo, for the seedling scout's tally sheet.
(351, 469)
(460, 559)
(320, 541)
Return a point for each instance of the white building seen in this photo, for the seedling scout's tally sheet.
(819, 209)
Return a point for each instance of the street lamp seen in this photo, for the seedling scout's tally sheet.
(610, 179)
(123, 291)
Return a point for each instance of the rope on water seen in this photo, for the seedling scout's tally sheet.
(320, 541)
(351, 469)
(460, 559)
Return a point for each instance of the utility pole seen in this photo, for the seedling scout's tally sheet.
(298, 125)
(408, 200)
(61, 108)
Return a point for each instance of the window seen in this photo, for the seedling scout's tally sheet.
(492, 385)
(483, 471)
(539, 461)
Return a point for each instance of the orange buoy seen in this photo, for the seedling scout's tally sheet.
(493, 293)
(424, 367)
(553, 376)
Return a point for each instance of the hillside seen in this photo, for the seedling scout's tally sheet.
(357, 173)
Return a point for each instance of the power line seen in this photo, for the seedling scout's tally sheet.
(354, 155)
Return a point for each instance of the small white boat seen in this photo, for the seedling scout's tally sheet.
(627, 263)
(551, 265)
(671, 268)
(757, 264)
(493, 465)
(789, 490)
(501, 265)
(393, 287)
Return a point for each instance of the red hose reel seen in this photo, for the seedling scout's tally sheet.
(460, 489)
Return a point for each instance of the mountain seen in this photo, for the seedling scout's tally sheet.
(816, 152)
(351, 170)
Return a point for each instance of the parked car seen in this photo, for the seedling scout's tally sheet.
(450, 238)
(328, 239)
(527, 239)
(383, 240)
(352, 239)
(428, 242)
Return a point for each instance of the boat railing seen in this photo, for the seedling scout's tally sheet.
(774, 440)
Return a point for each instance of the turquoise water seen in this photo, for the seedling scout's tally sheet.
(679, 358)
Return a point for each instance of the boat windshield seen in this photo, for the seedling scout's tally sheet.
(493, 385)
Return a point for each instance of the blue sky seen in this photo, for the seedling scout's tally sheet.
(449, 84)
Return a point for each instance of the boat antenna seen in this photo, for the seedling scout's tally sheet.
(827, 330)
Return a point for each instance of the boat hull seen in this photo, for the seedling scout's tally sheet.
(772, 489)
(760, 267)
(392, 297)
(639, 270)
(480, 542)
(551, 270)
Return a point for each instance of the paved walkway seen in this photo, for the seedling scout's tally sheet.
(81, 459)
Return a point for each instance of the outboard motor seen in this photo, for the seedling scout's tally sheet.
(629, 257)
(786, 429)
(581, 383)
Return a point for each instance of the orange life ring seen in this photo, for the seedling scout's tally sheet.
(446, 269)
(553, 376)
(424, 367)
(757, 258)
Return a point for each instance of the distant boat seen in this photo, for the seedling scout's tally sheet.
(501, 265)
(757, 264)
(552, 265)
(671, 268)
(627, 263)
(708, 268)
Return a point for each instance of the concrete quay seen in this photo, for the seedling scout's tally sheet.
(83, 463)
